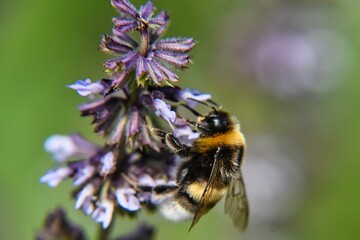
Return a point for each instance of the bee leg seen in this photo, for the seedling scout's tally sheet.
(176, 146)
(172, 142)
(162, 193)
(164, 189)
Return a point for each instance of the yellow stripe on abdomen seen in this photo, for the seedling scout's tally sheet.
(196, 189)
(233, 137)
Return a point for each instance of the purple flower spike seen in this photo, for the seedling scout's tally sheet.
(133, 19)
(130, 103)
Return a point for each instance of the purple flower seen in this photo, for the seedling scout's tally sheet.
(164, 110)
(54, 177)
(133, 19)
(127, 199)
(83, 174)
(108, 164)
(156, 63)
(151, 58)
(73, 146)
(128, 107)
(87, 88)
(104, 212)
(87, 192)
(189, 95)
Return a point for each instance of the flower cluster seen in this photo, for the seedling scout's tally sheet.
(126, 107)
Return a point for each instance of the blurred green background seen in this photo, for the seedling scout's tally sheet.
(288, 70)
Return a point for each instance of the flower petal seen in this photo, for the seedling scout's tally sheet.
(147, 10)
(104, 212)
(104, 112)
(125, 7)
(86, 88)
(111, 44)
(87, 191)
(125, 25)
(130, 60)
(83, 174)
(108, 164)
(64, 147)
(162, 109)
(175, 44)
(54, 177)
(176, 58)
(170, 75)
(127, 199)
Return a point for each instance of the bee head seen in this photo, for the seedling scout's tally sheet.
(216, 121)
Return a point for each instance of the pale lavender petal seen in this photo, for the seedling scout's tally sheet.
(104, 212)
(164, 110)
(127, 200)
(87, 191)
(146, 180)
(64, 147)
(108, 164)
(87, 88)
(83, 174)
(189, 94)
(88, 206)
(54, 177)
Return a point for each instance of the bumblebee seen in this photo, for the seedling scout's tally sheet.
(210, 169)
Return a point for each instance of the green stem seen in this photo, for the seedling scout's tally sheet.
(103, 234)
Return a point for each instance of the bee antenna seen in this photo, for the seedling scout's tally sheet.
(213, 103)
(196, 113)
(206, 104)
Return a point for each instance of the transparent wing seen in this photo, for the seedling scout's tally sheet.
(203, 207)
(236, 204)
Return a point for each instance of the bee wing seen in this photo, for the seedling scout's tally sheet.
(203, 207)
(236, 204)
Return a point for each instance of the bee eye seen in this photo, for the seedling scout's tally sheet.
(182, 174)
(216, 122)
